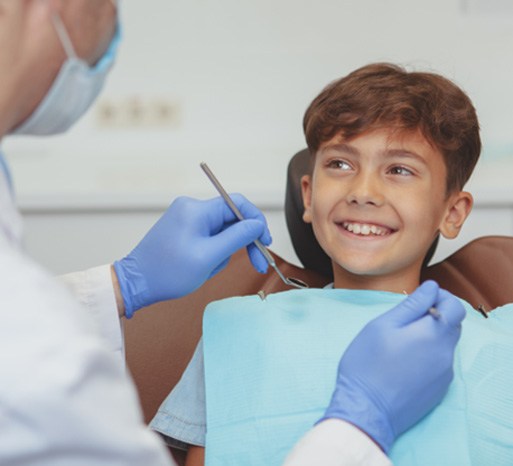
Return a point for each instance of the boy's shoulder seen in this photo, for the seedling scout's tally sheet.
(499, 321)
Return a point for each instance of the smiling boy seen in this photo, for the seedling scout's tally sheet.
(391, 152)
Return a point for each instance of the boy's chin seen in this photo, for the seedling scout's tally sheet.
(356, 272)
(374, 276)
(359, 268)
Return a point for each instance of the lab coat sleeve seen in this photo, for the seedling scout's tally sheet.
(94, 290)
(336, 443)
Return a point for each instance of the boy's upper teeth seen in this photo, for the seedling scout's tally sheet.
(365, 229)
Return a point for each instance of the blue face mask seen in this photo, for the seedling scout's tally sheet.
(74, 90)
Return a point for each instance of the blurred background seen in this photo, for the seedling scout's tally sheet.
(227, 82)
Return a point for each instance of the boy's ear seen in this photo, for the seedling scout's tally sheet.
(306, 191)
(458, 209)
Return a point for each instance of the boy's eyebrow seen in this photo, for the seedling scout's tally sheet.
(348, 149)
(404, 153)
(342, 147)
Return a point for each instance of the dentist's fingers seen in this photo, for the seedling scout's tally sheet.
(235, 237)
(257, 259)
(415, 305)
(450, 308)
(248, 211)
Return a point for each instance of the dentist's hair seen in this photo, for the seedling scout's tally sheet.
(384, 95)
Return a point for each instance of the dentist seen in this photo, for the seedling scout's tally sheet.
(65, 399)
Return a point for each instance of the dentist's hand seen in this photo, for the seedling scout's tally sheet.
(399, 366)
(189, 244)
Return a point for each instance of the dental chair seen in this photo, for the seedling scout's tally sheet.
(161, 339)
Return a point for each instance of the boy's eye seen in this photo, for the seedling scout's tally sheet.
(339, 164)
(400, 171)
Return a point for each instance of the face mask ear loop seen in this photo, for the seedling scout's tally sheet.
(63, 36)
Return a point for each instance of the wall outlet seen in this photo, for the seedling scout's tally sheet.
(140, 113)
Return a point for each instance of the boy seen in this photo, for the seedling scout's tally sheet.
(391, 151)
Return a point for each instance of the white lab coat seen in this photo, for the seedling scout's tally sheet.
(65, 398)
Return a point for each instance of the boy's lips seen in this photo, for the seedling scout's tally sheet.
(365, 228)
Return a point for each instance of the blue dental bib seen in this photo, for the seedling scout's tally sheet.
(270, 369)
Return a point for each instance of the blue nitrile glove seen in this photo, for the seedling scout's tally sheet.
(189, 244)
(399, 367)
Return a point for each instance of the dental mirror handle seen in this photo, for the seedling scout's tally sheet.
(295, 282)
(236, 211)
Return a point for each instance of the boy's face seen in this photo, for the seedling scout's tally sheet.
(376, 203)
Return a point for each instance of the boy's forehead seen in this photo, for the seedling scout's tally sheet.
(388, 137)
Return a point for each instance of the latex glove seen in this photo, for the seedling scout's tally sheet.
(191, 242)
(399, 366)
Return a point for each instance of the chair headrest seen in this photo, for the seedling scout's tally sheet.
(307, 248)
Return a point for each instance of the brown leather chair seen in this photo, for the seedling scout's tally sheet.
(160, 340)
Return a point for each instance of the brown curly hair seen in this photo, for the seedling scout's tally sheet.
(384, 95)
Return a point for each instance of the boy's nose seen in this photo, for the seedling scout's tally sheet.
(365, 189)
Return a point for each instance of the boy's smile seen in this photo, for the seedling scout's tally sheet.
(376, 203)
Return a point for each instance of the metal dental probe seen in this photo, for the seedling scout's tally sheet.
(295, 282)
(433, 311)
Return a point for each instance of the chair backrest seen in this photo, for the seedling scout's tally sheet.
(160, 340)
(481, 272)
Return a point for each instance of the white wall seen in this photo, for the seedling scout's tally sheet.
(236, 77)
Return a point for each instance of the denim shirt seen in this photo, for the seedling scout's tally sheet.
(181, 418)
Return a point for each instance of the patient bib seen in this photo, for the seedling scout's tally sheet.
(270, 370)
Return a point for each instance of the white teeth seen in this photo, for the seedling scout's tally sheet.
(365, 229)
